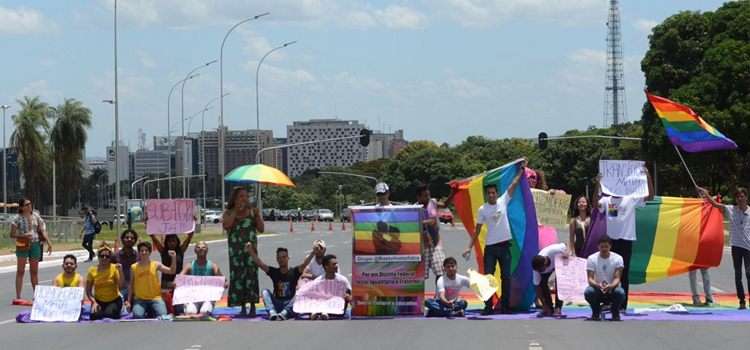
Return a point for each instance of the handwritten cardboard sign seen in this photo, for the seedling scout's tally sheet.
(320, 296)
(571, 278)
(195, 289)
(623, 178)
(551, 209)
(167, 216)
(55, 304)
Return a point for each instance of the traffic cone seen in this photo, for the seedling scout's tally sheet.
(330, 226)
(312, 225)
(343, 225)
(291, 225)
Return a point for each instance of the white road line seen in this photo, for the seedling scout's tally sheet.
(717, 290)
(535, 346)
(7, 321)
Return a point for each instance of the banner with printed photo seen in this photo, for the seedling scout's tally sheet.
(551, 209)
(387, 269)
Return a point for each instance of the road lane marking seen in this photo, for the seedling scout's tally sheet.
(7, 321)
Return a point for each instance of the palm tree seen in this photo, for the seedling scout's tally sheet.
(29, 139)
(68, 141)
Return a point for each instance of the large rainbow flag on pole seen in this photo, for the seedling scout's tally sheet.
(674, 235)
(523, 225)
(687, 129)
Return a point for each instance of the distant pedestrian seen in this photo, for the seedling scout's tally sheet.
(88, 232)
(29, 231)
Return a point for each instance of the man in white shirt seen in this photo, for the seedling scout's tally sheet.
(498, 238)
(739, 233)
(331, 266)
(605, 269)
(620, 220)
(543, 265)
(447, 302)
(382, 194)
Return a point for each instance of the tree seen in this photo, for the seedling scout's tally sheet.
(68, 140)
(702, 60)
(29, 139)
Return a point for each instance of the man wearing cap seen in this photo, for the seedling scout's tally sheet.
(382, 194)
(315, 268)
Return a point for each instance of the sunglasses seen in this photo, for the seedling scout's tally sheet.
(104, 256)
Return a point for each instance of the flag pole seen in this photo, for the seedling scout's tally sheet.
(685, 164)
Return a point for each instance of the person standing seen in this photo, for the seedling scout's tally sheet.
(382, 195)
(739, 232)
(29, 231)
(498, 239)
(693, 276)
(242, 222)
(432, 247)
(88, 232)
(579, 225)
(620, 220)
(605, 269)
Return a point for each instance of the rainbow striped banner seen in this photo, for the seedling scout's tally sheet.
(687, 129)
(523, 226)
(674, 236)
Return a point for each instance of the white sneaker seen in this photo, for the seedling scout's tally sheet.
(283, 315)
(273, 316)
(324, 316)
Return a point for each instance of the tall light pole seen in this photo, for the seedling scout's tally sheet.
(221, 102)
(169, 126)
(5, 160)
(117, 129)
(182, 116)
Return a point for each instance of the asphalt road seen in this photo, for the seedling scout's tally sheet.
(368, 334)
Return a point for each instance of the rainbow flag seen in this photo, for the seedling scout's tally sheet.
(523, 226)
(687, 129)
(673, 236)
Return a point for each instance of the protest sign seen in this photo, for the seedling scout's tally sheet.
(571, 278)
(320, 296)
(55, 304)
(623, 178)
(388, 272)
(167, 216)
(485, 286)
(194, 289)
(551, 209)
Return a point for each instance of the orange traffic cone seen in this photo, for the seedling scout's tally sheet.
(343, 225)
(291, 225)
(312, 225)
(330, 226)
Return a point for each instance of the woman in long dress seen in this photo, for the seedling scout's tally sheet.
(242, 221)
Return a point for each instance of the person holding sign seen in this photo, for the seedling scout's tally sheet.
(620, 214)
(242, 222)
(447, 302)
(498, 238)
(144, 294)
(201, 266)
(171, 243)
(103, 283)
(280, 303)
(69, 277)
(543, 265)
(605, 269)
(331, 266)
(29, 231)
(315, 268)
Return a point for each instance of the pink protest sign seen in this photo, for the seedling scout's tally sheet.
(571, 278)
(167, 216)
(321, 296)
(194, 289)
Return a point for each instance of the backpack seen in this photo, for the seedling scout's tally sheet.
(96, 223)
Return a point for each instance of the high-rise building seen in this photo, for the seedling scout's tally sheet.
(123, 160)
(14, 177)
(319, 155)
(150, 163)
(385, 145)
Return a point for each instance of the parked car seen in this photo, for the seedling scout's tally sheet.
(122, 219)
(213, 216)
(445, 216)
(308, 215)
(270, 214)
(323, 215)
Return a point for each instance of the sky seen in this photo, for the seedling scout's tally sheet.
(442, 70)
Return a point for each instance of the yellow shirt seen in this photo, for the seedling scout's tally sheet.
(106, 282)
(63, 281)
(146, 285)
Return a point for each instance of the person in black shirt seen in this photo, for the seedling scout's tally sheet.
(279, 303)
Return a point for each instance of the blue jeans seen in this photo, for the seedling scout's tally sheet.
(276, 304)
(595, 298)
(499, 253)
(149, 308)
(437, 309)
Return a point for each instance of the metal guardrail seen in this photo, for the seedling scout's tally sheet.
(62, 229)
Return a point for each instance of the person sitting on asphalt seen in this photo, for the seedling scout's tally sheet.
(126, 256)
(544, 265)
(69, 277)
(447, 302)
(103, 284)
(315, 268)
(144, 293)
(201, 266)
(171, 243)
(279, 304)
(331, 266)
(604, 270)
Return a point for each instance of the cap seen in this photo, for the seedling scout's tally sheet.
(381, 187)
(319, 242)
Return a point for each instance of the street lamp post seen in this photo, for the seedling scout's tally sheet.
(117, 127)
(182, 116)
(221, 102)
(5, 160)
(169, 126)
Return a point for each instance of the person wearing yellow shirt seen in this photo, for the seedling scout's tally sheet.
(69, 277)
(103, 286)
(144, 293)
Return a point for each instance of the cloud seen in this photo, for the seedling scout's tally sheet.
(645, 25)
(23, 21)
(589, 57)
(489, 12)
(146, 60)
(42, 89)
(400, 17)
(465, 88)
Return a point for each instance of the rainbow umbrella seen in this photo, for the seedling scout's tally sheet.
(262, 173)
